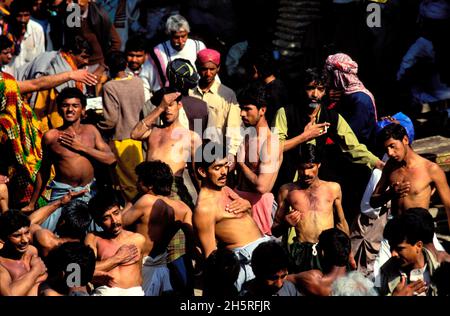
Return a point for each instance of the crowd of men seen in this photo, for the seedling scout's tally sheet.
(179, 185)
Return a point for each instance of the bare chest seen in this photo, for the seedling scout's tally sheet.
(318, 200)
(16, 268)
(417, 177)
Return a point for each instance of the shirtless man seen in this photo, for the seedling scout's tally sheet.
(258, 157)
(21, 270)
(407, 179)
(220, 214)
(118, 251)
(71, 149)
(158, 218)
(175, 145)
(310, 205)
(334, 247)
(171, 142)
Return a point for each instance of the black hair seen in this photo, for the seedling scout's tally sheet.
(59, 260)
(77, 45)
(5, 42)
(309, 153)
(221, 272)
(69, 93)
(159, 95)
(75, 219)
(136, 44)
(157, 175)
(254, 93)
(263, 61)
(420, 219)
(399, 230)
(21, 6)
(314, 75)
(11, 221)
(208, 153)
(394, 131)
(116, 61)
(336, 246)
(104, 200)
(268, 258)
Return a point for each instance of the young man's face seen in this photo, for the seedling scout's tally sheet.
(315, 92)
(135, 59)
(23, 18)
(217, 173)
(275, 282)
(20, 239)
(396, 149)
(251, 115)
(207, 72)
(170, 114)
(178, 39)
(71, 110)
(407, 254)
(82, 59)
(111, 221)
(308, 172)
(6, 56)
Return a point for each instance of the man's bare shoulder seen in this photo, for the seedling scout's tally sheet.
(288, 187)
(51, 136)
(44, 236)
(177, 205)
(333, 186)
(133, 236)
(88, 128)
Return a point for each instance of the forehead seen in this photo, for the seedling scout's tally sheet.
(392, 141)
(136, 52)
(22, 230)
(182, 32)
(111, 210)
(208, 65)
(220, 163)
(71, 101)
(308, 165)
(248, 107)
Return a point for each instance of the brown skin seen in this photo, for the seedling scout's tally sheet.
(220, 213)
(136, 59)
(21, 270)
(119, 252)
(70, 149)
(409, 179)
(170, 143)
(310, 205)
(314, 282)
(178, 39)
(257, 176)
(158, 218)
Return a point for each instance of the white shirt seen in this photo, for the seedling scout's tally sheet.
(33, 44)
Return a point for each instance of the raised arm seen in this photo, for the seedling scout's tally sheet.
(47, 82)
(280, 225)
(383, 192)
(143, 128)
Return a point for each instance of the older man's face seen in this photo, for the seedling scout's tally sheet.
(179, 39)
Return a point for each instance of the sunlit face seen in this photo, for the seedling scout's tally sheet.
(314, 92)
(251, 115)
(20, 239)
(178, 39)
(23, 18)
(71, 110)
(170, 114)
(6, 56)
(308, 173)
(396, 149)
(217, 173)
(207, 72)
(407, 254)
(135, 59)
(111, 221)
(275, 282)
(81, 59)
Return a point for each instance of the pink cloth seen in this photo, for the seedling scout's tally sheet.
(208, 55)
(261, 209)
(344, 71)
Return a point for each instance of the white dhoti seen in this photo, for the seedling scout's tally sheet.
(117, 291)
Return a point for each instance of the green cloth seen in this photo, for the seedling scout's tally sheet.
(347, 139)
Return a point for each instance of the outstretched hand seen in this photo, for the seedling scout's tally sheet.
(84, 76)
(71, 195)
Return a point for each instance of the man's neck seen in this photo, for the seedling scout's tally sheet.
(121, 74)
(205, 87)
(75, 126)
(262, 126)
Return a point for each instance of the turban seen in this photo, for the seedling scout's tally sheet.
(208, 55)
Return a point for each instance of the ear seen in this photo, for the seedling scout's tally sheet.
(202, 172)
(405, 140)
(419, 244)
(263, 110)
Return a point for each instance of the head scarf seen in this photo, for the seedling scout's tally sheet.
(209, 55)
(344, 71)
